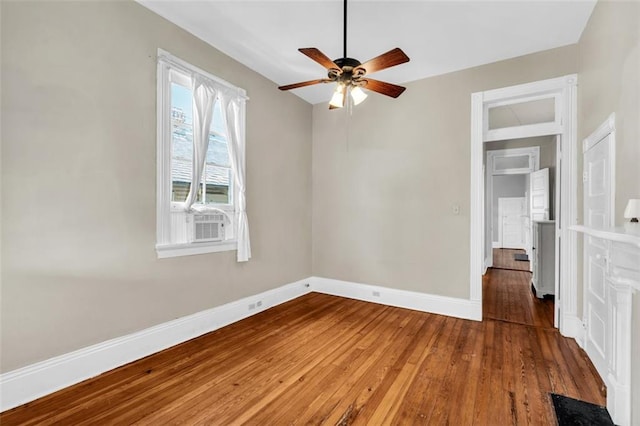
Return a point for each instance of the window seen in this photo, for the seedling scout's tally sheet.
(216, 184)
(201, 204)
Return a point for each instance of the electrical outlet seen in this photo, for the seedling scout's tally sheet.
(259, 303)
(306, 285)
(252, 306)
(456, 209)
(376, 293)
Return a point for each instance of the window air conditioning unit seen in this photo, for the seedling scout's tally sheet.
(208, 227)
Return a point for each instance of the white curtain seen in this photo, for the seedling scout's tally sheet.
(204, 97)
(231, 104)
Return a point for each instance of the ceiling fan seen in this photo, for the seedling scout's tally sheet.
(350, 73)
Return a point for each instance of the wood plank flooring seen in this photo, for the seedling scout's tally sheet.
(327, 360)
(503, 259)
(507, 296)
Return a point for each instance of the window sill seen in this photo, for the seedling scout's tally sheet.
(188, 249)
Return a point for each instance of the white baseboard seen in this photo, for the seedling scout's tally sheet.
(453, 307)
(26, 384)
(496, 244)
(571, 326)
(488, 263)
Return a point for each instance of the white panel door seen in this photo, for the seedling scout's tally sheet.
(511, 212)
(598, 194)
(539, 190)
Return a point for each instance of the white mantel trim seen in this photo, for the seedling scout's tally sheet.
(622, 253)
(619, 235)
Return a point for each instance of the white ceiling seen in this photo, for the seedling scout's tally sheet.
(438, 36)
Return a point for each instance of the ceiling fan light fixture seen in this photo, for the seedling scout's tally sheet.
(349, 73)
(337, 100)
(358, 95)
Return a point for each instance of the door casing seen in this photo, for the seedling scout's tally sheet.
(564, 92)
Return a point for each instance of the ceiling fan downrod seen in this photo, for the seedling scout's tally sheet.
(344, 34)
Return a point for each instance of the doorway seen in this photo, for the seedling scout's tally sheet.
(490, 112)
(511, 214)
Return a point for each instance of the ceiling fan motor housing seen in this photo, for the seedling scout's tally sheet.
(347, 62)
(346, 72)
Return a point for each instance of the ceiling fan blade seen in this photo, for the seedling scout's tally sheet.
(304, 83)
(319, 57)
(386, 60)
(383, 87)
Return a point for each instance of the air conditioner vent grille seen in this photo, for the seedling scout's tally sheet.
(208, 227)
(219, 217)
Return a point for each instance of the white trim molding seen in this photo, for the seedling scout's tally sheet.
(34, 381)
(26, 384)
(173, 223)
(477, 231)
(174, 250)
(533, 152)
(442, 305)
(622, 281)
(563, 90)
(606, 128)
(573, 327)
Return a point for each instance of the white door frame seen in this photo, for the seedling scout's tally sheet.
(534, 164)
(564, 91)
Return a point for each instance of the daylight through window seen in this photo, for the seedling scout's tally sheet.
(201, 151)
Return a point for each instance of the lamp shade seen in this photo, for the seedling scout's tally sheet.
(633, 209)
(358, 95)
(337, 100)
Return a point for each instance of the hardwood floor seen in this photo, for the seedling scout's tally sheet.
(327, 360)
(507, 296)
(503, 259)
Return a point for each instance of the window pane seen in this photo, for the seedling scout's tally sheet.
(217, 174)
(217, 125)
(511, 162)
(181, 141)
(523, 113)
(218, 183)
(218, 151)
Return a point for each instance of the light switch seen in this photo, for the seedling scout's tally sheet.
(456, 209)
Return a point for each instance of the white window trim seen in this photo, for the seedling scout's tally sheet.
(175, 250)
(164, 205)
(532, 152)
(527, 130)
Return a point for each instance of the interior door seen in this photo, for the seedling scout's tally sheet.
(511, 212)
(598, 196)
(539, 190)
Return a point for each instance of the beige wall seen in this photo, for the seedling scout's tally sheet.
(609, 74)
(386, 179)
(79, 180)
(78, 174)
(609, 78)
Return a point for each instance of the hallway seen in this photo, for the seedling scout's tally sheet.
(507, 294)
